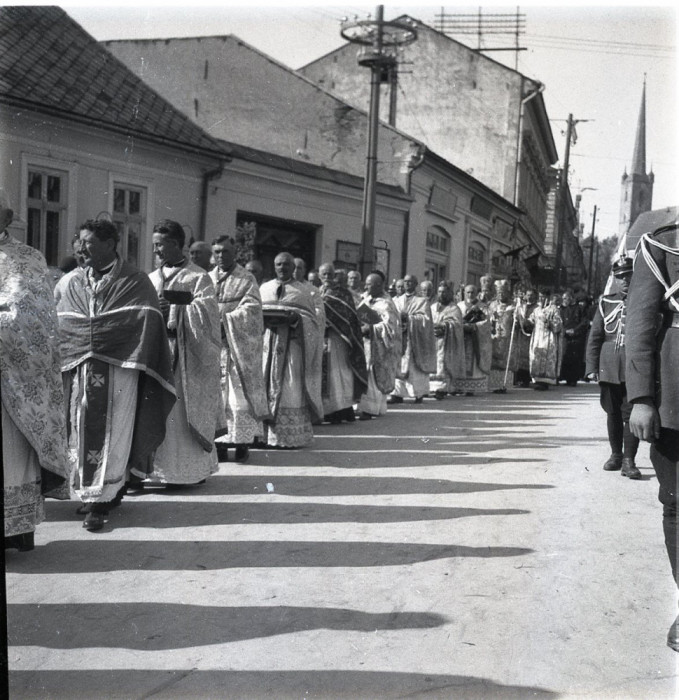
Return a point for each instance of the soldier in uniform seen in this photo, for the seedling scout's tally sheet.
(606, 365)
(651, 372)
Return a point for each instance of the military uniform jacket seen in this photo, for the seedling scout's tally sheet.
(606, 344)
(652, 368)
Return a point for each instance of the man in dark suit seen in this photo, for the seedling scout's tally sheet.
(651, 372)
(606, 365)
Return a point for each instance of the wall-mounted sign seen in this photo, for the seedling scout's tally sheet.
(348, 253)
(381, 260)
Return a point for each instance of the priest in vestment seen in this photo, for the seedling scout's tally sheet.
(448, 329)
(242, 326)
(345, 377)
(187, 300)
(116, 369)
(477, 344)
(381, 329)
(545, 343)
(293, 348)
(32, 408)
(418, 359)
(501, 315)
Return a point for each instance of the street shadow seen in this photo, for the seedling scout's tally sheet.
(89, 556)
(261, 685)
(170, 514)
(357, 459)
(326, 486)
(159, 626)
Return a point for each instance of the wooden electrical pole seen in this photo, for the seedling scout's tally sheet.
(591, 253)
(562, 198)
(561, 217)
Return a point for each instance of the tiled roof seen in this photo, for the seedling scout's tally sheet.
(49, 63)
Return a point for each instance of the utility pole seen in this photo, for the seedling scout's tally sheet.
(379, 40)
(561, 200)
(591, 254)
(595, 290)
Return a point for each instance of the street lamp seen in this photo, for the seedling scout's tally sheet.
(379, 40)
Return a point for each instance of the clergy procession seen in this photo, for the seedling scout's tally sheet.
(117, 381)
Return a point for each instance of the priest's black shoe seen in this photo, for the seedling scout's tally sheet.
(242, 453)
(94, 521)
(24, 542)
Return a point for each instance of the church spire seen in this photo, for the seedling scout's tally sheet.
(637, 187)
(639, 158)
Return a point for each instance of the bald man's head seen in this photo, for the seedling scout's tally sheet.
(200, 253)
(374, 285)
(284, 265)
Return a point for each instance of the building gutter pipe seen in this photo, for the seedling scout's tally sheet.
(208, 177)
(415, 161)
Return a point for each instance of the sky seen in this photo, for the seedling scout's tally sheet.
(592, 61)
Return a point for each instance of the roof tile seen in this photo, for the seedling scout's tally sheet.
(47, 59)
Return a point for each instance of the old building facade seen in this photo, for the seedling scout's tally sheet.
(83, 137)
(487, 119)
(239, 94)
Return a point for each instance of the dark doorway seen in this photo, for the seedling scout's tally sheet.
(275, 236)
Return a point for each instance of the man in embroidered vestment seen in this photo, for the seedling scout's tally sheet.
(381, 329)
(242, 383)
(478, 345)
(345, 377)
(418, 359)
(293, 348)
(189, 306)
(545, 343)
(448, 329)
(299, 274)
(651, 374)
(116, 369)
(501, 316)
(32, 406)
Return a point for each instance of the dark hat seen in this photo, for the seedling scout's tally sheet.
(623, 266)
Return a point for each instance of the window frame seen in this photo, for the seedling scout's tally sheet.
(68, 223)
(124, 181)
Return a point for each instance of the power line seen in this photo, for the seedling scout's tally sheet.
(602, 42)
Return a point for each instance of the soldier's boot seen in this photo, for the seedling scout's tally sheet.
(629, 469)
